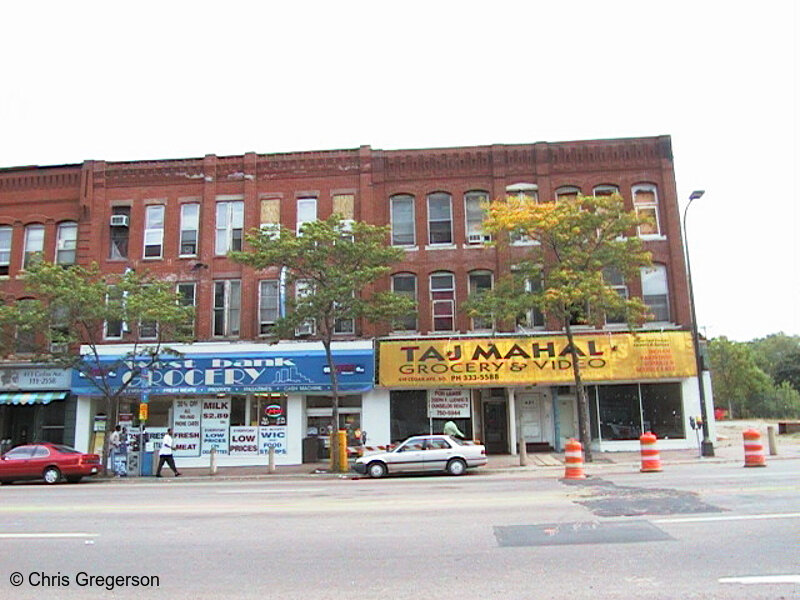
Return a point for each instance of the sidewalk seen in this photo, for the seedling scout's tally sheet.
(545, 464)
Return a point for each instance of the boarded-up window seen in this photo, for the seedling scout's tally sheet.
(344, 204)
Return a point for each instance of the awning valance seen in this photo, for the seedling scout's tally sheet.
(31, 397)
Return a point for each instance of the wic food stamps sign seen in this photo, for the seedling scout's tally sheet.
(512, 361)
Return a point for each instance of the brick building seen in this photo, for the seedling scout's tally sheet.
(179, 218)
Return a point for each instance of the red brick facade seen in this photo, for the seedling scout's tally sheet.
(88, 194)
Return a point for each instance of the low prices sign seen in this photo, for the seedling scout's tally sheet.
(448, 404)
(272, 436)
(186, 427)
(243, 441)
(216, 420)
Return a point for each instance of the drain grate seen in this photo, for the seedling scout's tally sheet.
(591, 532)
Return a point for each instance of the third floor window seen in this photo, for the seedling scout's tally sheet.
(34, 244)
(66, 243)
(5, 249)
(229, 228)
(440, 219)
(153, 231)
(402, 219)
(190, 224)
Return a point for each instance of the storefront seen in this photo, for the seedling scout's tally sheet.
(35, 405)
(240, 399)
(523, 387)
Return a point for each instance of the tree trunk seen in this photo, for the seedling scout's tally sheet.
(583, 403)
(335, 462)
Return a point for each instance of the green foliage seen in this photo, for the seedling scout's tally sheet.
(771, 351)
(744, 388)
(337, 263)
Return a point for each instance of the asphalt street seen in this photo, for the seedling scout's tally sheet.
(705, 530)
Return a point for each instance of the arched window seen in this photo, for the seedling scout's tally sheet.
(440, 219)
(443, 301)
(405, 284)
(6, 233)
(524, 192)
(475, 214)
(655, 292)
(567, 192)
(402, 220)
(34, 244)
(66, 243)
(645, 201)
(605, 190)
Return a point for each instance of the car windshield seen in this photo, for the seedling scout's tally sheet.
(66, 449)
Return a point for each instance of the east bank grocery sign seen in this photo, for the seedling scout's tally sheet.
(528, 360)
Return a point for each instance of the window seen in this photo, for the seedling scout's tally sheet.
(66, 243)
(344, 205)
(402, 207)
(303, 289)
(655, 292)
(475, 215)
(148, 330)
(567, 192)
(534, 318)
(440, 219)
(615, 279)
(479, 282)
(5, 249)
(443, 301)
(190, 224)
(230, 223)
(306, 212)
(605, 190)
(625, 411)
(153, 231)
(186, 297)
(34, 244)
(114, 327)
(227, 301)
(59, 328)
(271, 216)
(268, 307)
(524, 192)
(25, 339)
(406, 284)
(120, 216)
(344, 325)
(645, 201)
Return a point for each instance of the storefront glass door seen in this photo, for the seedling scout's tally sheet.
(495, 427)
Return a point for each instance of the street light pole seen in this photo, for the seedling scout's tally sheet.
(706, 446)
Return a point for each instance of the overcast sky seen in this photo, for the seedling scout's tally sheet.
(150, 80)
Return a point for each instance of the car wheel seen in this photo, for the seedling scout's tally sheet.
(456, 467)
(74, 478)
(376, 470)
(52, 475)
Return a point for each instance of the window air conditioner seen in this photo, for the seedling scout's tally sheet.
(119, 220)
(478, 238)
(306, 328)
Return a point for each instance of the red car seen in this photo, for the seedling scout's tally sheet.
(51, 462)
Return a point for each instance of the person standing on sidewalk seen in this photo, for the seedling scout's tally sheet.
(114, 446)
(165, 454)
(451, 429)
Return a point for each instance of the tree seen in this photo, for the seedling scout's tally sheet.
(71, 306)
(771, 351)
(736, 378)
(787, 369)
(332, 265)
(582, 246)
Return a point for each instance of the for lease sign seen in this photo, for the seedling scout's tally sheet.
(448, 404)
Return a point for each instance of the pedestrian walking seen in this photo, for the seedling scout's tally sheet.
(165, 454)
(114, 442)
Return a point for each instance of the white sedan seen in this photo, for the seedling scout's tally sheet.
(424, 453)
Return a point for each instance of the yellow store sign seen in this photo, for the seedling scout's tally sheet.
(515, 361)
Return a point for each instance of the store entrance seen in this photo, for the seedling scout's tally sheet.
(495, 427)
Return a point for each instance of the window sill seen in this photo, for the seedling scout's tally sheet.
(406, 248)
(441, 247)
(526, 243)
(151, 258)
(478, 246)
(652, 237)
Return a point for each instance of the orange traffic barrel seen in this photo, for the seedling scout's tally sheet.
(651, 459)
(573, 460)
(753, 449)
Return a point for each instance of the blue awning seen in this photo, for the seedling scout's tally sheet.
(31, 397)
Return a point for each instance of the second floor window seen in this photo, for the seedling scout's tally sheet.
(190, 224)
(443, 301)
(616, 280)
(440, 219)
(5, 249)
(479, 282)
(114, 328)
(406, 285)
(655, 292)
(402, 218)
(268, 305)
(230, 224)
(34, 244)
(475, 214)
(227, 306)
(153, 231)
(66, 243)
(186, 297)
